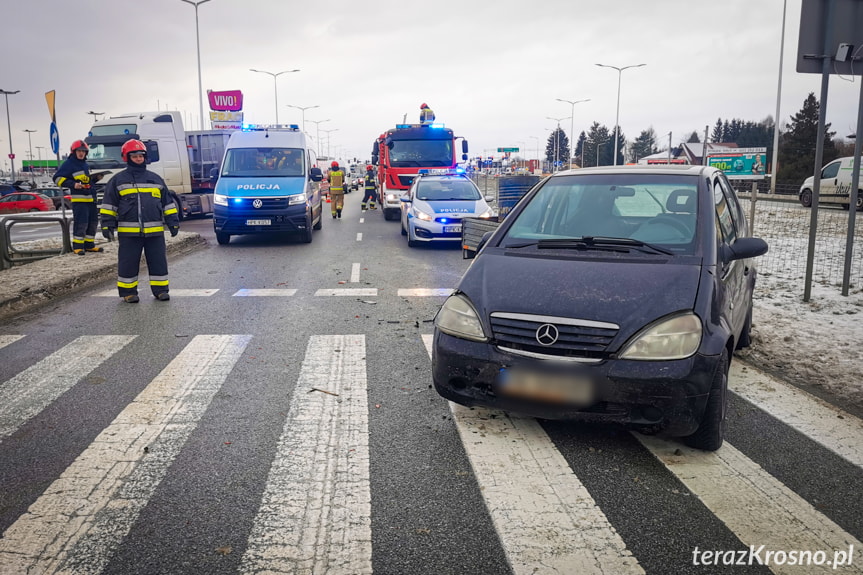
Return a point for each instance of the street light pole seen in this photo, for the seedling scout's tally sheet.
(303, 109)
(327, 132)
(30, 144)
(41, 168)
(556, 141)
(572, 123)
(94, 114)
(6, 93)
(200, 84)
(318, 131)
(617, 115)
(275, 86)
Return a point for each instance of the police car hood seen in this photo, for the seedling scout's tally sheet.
(454, 208)
(260, 187)
(630, 292)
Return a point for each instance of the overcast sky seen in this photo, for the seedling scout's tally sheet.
(490, 70)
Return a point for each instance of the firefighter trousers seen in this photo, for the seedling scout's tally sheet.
(369, 198)
(338, 201)
(129, 263)
(86, 217)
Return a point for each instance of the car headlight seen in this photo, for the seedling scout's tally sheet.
(220, 199)
(421, 215)
(296, 199)
(674, 338)
(486, 214)
(458, 318)
(392, 197)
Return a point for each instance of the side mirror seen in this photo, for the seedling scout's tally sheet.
(464, 147)
(489, 198)
(152, 151)
(316, 174)
(375, 160)
(464, 157)
(744, 248)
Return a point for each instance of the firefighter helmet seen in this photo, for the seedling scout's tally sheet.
(369, 168)
(132, 146)
(80, 145)
(423, 106)
(334, 165)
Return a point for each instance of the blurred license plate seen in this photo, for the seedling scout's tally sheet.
(547, 386)
(452, 229)
(258, 222)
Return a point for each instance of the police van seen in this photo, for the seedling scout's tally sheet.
(269, 182)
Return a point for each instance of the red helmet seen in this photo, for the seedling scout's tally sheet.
(335, 165)
(80, 145)
(423, 106)
(132, 146)
(369, 168)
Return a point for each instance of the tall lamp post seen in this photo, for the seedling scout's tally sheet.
(6, 93)
(95, 114)
(303, 109)
(197, 3)
(318, 131)
(275, 86)
(617, 115)
(537, 148)
(572, 122)
(556, 141)
(41, 168)
(327, 132)
(30, 144)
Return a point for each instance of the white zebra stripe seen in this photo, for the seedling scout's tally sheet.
(77, 524)
(32, 390)
(315, 516)
(347, 292)
(264, 292)
(7, 339)
(355, 273)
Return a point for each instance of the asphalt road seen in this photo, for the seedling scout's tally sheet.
(238, 431)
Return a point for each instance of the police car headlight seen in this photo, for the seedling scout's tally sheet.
(421, 215)
(296, 199)
(486, 214)
(674, 338)
(220, 199)
(458, 318)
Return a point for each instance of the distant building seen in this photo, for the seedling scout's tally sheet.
(691, 153)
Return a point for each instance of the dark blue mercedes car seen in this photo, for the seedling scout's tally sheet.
(613, 294)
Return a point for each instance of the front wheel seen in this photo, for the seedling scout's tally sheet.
(806, 198)
(320, 223)
(307, 233)
(711, 432)
(223, 238)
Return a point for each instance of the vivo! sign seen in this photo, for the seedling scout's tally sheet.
(230, 101)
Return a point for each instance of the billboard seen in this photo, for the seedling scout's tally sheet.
(739, 163)
(228, 101)
(226, 120)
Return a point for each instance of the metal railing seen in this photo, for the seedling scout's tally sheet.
(10, 255)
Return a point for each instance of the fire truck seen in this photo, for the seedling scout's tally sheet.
(400, 153)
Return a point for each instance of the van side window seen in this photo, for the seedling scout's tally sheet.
(831, 170)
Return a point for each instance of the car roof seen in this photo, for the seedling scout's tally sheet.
(613, 170)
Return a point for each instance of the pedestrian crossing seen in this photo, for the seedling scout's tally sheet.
(316, 509)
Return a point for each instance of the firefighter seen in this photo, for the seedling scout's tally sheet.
(136, 206)
(371, 187)
(426, 114)
(74, 175)
(337, 189)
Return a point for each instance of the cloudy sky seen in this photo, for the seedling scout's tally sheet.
(490, 70)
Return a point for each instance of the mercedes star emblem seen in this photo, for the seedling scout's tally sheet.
(547, 334)
(257, 203)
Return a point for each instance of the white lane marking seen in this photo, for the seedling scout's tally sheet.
(546, 519)
(347, 292)
(264, 292)
(7, 339)
(362, 220)
(360, 237)
(755, 506)
(144, 289)
(355, 273)
(32, 390)
(80, 520)
(424, 292)
(840, 432)
(315, 515)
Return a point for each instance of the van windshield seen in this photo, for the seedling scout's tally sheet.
(263, 163)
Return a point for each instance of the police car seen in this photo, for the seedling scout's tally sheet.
(433, 207)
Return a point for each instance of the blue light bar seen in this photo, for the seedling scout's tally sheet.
(403, 126)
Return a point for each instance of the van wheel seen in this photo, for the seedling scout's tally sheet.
(223, 238)
(320, 223)
(859, 201)
(806, 198)
(711, 431)
(307, 234)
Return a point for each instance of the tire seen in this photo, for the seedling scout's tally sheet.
(412, 243)
(404, 233)
(745, 339)
(711, 431)
(223, 238)
(33, 210)
(806, 198)
(390, 215)
(320, 223)
(859, 201)
(307, 235)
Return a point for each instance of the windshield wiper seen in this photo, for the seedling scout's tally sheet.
(599, 242)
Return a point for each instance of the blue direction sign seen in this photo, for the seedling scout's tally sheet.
(55, 139)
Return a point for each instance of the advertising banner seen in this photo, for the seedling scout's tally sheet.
(228, 101)
(739, 163)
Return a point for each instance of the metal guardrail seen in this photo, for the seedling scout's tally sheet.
(10, 255)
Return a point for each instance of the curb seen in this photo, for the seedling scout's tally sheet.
(27, 287)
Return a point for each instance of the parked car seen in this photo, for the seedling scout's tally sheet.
(6, 189)
(20, 202)
(614, 294)
(355, 184)
(59, 196)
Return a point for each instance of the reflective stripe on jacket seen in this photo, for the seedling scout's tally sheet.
(71, 171)
(137, 202)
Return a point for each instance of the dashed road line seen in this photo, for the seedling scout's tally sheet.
(264, 292)
(355, 273)
(365, 292)
(143, 289)
(360, 237)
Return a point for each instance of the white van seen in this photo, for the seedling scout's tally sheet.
(269, 182)
(835, 184)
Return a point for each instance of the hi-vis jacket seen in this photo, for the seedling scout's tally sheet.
(75, 170)
(337, 181)
(137, 203)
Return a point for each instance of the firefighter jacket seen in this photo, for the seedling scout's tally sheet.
(71, 171)
(337, 181)
(370, 183)
(137, 203)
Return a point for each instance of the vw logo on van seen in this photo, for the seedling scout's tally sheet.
(547, 334)
(257, 203)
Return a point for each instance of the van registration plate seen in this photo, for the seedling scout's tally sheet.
(258, 222)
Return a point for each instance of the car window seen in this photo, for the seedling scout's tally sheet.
(725, 223)
(737, 214)
(831, 170)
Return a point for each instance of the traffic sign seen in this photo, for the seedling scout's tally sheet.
(55, 138)
(507, 149)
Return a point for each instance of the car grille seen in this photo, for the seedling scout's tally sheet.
(266, 204)
(450, 219)
(577, 339)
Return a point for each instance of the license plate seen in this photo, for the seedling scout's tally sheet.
(452, 229)
(258, 222)
(546, 386)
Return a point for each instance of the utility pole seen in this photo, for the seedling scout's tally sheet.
(6, 93)
(30, 143)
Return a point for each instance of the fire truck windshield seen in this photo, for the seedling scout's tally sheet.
(411, 153)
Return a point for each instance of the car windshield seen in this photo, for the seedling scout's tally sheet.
(263, 163)
(439, 190)
(657, 209)
(408, 153)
